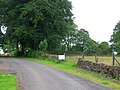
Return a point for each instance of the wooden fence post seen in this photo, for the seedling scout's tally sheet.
(113, 59)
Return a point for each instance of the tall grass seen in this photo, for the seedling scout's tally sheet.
(101, 59)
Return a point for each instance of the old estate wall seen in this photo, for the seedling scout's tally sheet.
(111, 71)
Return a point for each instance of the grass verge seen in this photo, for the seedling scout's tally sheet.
(7, 82)
(71, 68)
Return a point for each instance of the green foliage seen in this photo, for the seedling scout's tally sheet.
(43, 45)
(104, 48)
(86, 43)
(115, 38)
(9, 47)
(79, 41)
(1, 38)
(45, 25)
(36, 54)
(32, 53)
(31, 21)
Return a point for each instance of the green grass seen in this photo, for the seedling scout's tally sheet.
(7, 82)
(70, 67)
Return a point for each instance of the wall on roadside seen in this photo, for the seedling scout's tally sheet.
(111, 71)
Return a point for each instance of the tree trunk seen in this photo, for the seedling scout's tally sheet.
(83, 55)
(17, 44)
(23, 48)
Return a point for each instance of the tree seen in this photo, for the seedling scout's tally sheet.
(115, 38)
(104, 48)
(70, 40)
(32, 21)
(43, 46)
(1, 38)
(84, 42)
(79, 41)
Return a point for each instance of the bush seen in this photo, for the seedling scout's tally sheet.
(43, 46)
(18, 53)
(33, 53)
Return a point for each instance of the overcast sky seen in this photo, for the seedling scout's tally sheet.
(99, 17)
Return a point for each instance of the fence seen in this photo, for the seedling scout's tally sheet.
(111, 71)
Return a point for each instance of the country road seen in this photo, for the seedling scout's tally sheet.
(34, 76)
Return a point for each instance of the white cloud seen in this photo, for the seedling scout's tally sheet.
(99, 17)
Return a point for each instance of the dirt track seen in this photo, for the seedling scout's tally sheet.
(34, 76)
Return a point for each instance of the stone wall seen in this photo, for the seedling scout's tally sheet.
(111, 71)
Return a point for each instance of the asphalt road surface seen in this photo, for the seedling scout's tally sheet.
(34, 76)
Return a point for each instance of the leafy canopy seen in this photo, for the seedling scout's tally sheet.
(32, 21)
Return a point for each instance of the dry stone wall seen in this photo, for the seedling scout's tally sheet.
(111, 71)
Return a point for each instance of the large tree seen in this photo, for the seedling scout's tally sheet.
(80, 41)
(32, 21)
(84, 42)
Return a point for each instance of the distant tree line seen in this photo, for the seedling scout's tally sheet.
(40, 26)
(79, 42)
